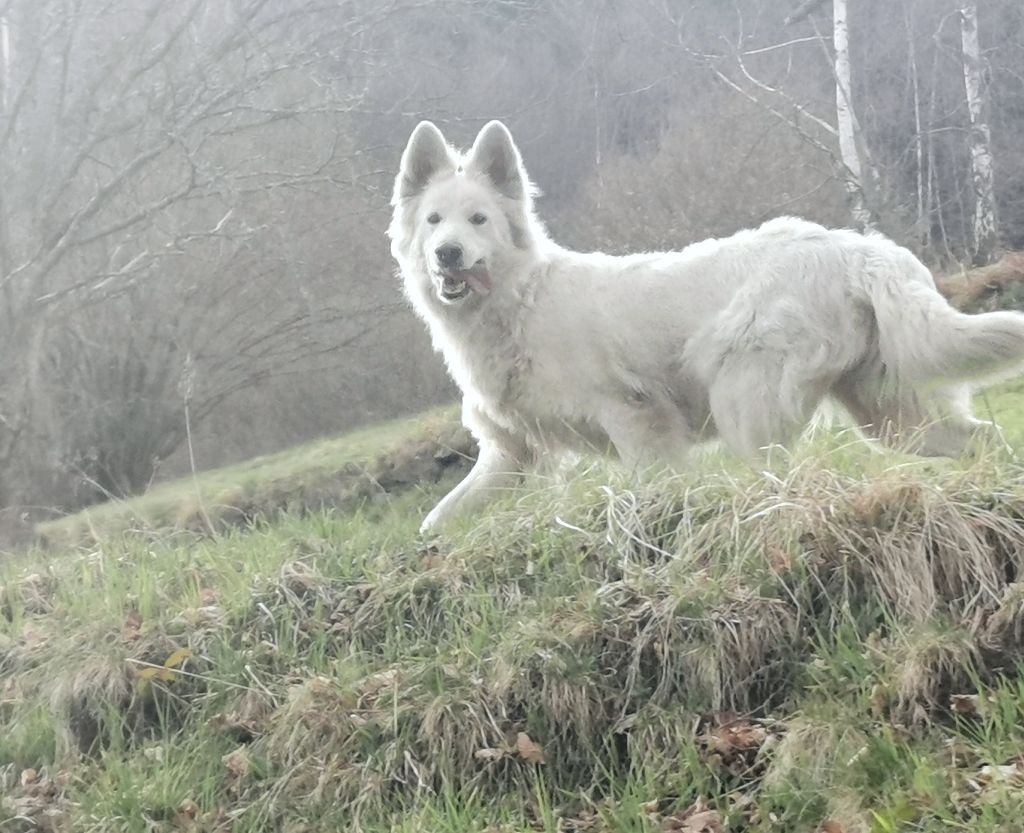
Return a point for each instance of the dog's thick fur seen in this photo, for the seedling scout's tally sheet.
(645, 355)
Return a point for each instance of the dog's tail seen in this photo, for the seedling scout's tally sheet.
(923, 339)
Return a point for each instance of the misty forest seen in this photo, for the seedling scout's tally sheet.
(194, 195)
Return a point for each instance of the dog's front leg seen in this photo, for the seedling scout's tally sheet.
(493, 472)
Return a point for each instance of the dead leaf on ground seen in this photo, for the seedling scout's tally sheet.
(156, 672)
(965, 703)
(165, 673)
(829, 826)
(879, 700)
(237, 763)
(434, 562)
(131, 630)
(780, 560)
(38, 800)
(249, 720)
(697, 818)
(586, 821)
(1010, 775)
(186, 817)
(734, 737)
(34, 636)
(489, 754)
(177, 659)
(528, 750)
(376, 683)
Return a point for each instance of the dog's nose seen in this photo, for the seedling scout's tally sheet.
(448, 255)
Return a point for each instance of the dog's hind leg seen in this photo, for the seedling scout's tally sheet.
(647, 433)
(936, 423)
(755, 402)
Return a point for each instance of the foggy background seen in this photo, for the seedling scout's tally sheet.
(193, 194)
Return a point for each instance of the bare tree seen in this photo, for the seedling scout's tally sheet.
(791, 101)
(985, 232)
(149, 154)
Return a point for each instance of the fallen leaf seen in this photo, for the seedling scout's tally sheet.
(434, 562)
(697, 818)
(34, 636)
(164, 673)
(153, 753)
(489, 754)
(131, 630)
(650, 808)
(829, 826)
(186, 817)
(155, 672)
(528, 750)
(879, 700)
(176, 659)
(237, 763)
(780, 560)
(710, 821)
(1010, 774)
(964, 703)
(585, 821)
(376, 683)
(738, 736)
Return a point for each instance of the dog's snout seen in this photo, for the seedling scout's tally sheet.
(448, 255)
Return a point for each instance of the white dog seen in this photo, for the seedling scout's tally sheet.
(645, 355)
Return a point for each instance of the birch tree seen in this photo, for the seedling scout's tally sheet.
(846, 120)
(982, 178)
(836, 135)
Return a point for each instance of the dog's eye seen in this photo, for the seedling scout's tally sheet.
(478, 219)
(434, 218)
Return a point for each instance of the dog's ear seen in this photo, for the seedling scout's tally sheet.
(495, 155)
(426, 154)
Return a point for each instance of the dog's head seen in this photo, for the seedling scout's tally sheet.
(460, 219)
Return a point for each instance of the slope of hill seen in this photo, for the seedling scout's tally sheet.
(831, 644)
(365, 465)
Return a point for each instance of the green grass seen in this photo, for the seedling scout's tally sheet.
(833, 643)
(346, 471)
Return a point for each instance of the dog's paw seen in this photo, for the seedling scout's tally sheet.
(431, 523)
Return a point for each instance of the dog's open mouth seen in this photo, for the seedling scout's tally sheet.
(456, 284)
(453, 288)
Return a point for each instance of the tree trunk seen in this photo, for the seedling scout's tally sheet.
(846, 121)
(985, 229)
(5, 64)
(923, 209)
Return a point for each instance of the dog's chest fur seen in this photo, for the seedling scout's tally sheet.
(488, 356)
(485, 350)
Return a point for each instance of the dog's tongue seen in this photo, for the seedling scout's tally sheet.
(478, 279)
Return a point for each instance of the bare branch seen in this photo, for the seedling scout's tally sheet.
(804, 10)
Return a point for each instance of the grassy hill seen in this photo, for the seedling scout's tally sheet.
(833, 644)
(362, 466)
